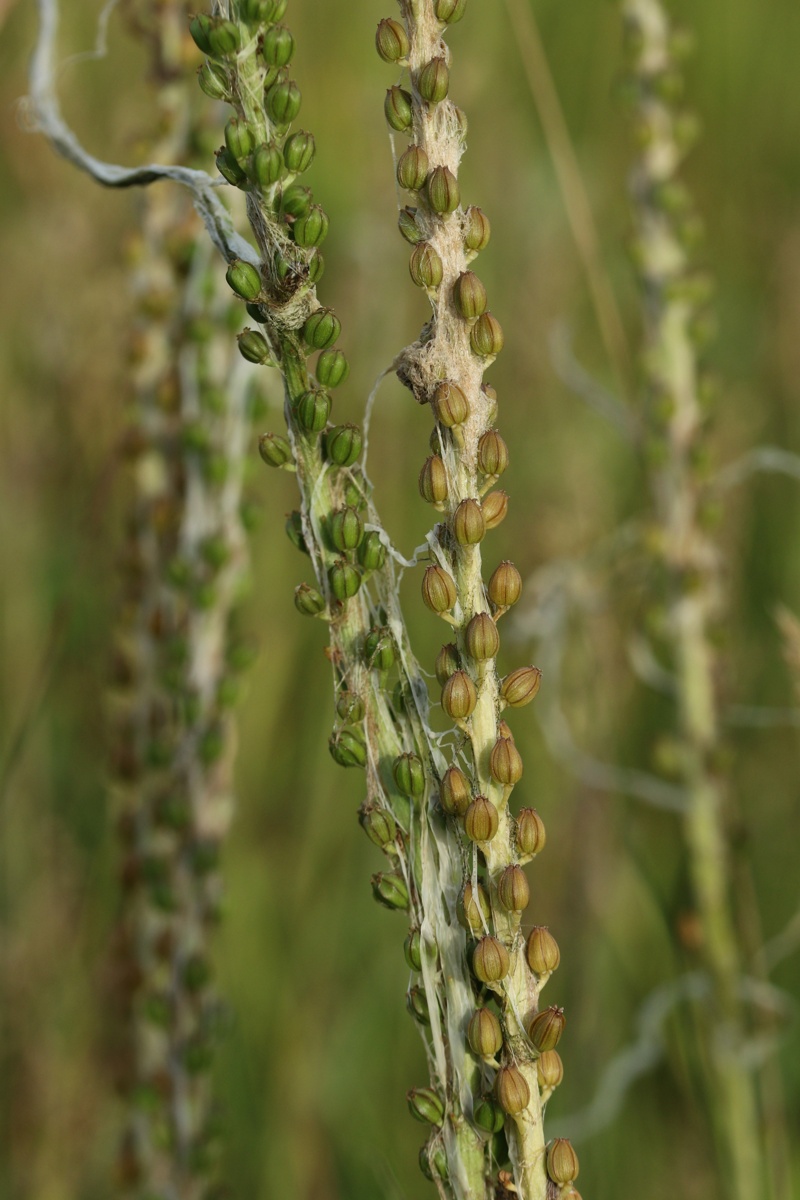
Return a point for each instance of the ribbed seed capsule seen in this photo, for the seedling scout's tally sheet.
(512, 1091)
(407, 224)
(296, 200)
(530, 834)
(425, 1106)
(546, 1028)
(390, 890)
(505, 585)
(312, 410)
(379, 649)
(425, 266)
(490, 960)
(371, 551)
(481, 820)
(239, 139)
(562, 1161)
(412, 948)
(542, 951)
(267, 165)
(492, 453)
(348, 748)
(484, 1034)
(332, 368)
(412, 168)
(311, 230)
(494, 509)
(477, 229)
(473, 908)
(505, 762)
(283, 102)
(277, 46)
(244, 279)
(486, 336)
(214, 81)
(481, 638)
(454, 793)
(459, 696)
(443, 191)
(417, 1005)
(447, 661)
(520, 686)
(379, 826)
(322, 328)
(343, 444)
(391, 41)
(397, 109)
(409, 774)
(488, 1115)
(438, 589)
(469, 523)
(433, 81)
(512, 889)
(450, 405)
(350, 708)
(550, 1070)
(469, 296)
(344, 578)
(346, 529)
(433, 1161)
(308, 600)
(450, 11)
(275, 449)
(299, 151)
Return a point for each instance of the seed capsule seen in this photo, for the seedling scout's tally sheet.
(244, 279)
(296, 200)
(239, 139)
(433, 480)
(450, 11)
(550, 1070)
(483, 1034)
(520, 687)
(477, 229)
(283, 102)
(489, 1115)
(214, 81)
(433, 81)
(412, 948)
(346, 529)
(267, 165)
(332, 368)
(390, 890)
(379, 650)
(562, 1161)
(344, 578)
(311, 230)
(450, 405)
(494, 509)
(397, 109)
(425, 266)
(505, 762)
(438, 589)
(447, 662)
(275, 450)
(490, 960)
(542, 951)
(379, 826)
(277, 46)
(308, 600)
(512, 1091)
(443, 191)
(530, 835)
(417, 1005)
(459, 696)
(409, 774)
(512, 889)
(546, 1028)
(343, 444)
(407, 225)
(412, 168)
(347, 747)
(505, 585)
(486, 336)
(481, 638)
(425, 1106)
(350, 708)
(481, 820)
(299, 151)
(473, 908)
(200, 28)
(391, 41)
(469, 523)
(322, 328)
(224, 38)
(492, 453)
(454, 793)
(469, 296)
(433, 1162)
(312, 410)
(371, 551)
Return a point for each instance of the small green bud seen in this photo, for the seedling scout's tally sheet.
(412, 168)
(549, 1070)
(296, 200)
(391, 41)
(505, 585)
(224, 38)
(513, 891)
(520, 686)
(244, 279)
(469, 523)
(322, 328)
(481, 820)
(505, 762)
(450, 405)
(346, 529)
(438, 589)
(379, 650)
(397, 109)
(481, 638)
(442, 190)
(490, 960)
(474, 910)
(407, 224)
(469, 296)
(267, 165)
(277, 46)
(312, 410)
(433, 480)
(512, 1091)
(477, 229)
(299, 151)
(486, 336)
(275, 450)
(417, 1005)
(332, 368)
(546, 1028)
(542, 951)
(214, 80)
(530, 835)
(425, 1106)
(494, 508)
(343, 445)
(283, 102)
(483, 1034)
(254, 347)
(412, 948)
(488, 1115)
(433, 81)
(425, 266)
(390, 890)
(239, 139)
(371, 551)
(312, 229)
(454, 794)
(344, 578)
(308, 600)
(562, 1161)
(294, 531)
(200, 28)
(379, 826)
(448, 660)
(492, 453)
(459, 696)
(450, 11)
(409, 774)
(347, 747)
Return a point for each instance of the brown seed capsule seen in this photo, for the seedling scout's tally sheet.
(505, 762)
(520, 686)
(546, 1028)
(443, 191)
(495, 508)
(481, 638)
(486, 337)
(450, 404)
(477, 229)
(550, 1070)
(433, 480)
(490, 960)
(483, 1034)
(459, 696)
(542, 951)
(412, 168)
(473, 908)
(531, 836)
(481, 820)
(492, 453)
(425, 266)
(469, 296)
(512, 1091)
(448, 660)
(512, 889)
(438, 589)
(505, 585)
(562, 1161)
(469, 523)
(454, 794)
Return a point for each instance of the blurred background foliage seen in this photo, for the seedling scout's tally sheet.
(320, 1049)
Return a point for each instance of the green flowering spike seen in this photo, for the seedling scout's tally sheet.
(308, 601)
(244, 279)
(346, 529)
(450, 11)
(277, 46)
(379, 826)
(433, 81)
(254, 347)
(266, 165)
(214, 81)
(312, 410)
(322, 329)
(390, 890)
(486, 336)
(424, 1105)
(344, 579)
(343, 445)
(239, 139)
(347, 747)
(425, 266)
(397, 109)
(442, 190)
(299, 151)
(283, 102)
(229, 168)
(275, 450)
(379, 650)
(409, 774)
(412, 168)
(371, 551)
(407, 224)
(296, 200)
(332, 368)
(311, 229)
(391, 41)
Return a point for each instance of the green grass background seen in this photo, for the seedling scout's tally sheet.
(321, 1050)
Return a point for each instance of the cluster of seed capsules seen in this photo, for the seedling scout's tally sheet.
(497, 898)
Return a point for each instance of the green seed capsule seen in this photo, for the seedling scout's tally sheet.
(296, 200)
(390, 890)
(267, 165)
(481, 820)
(332, 368)
(412, 948)
(546, 1028)
(350, 708)
(299, 151)
(397, 109)
(344, 578)
(450, 11)
(520, 686)
(433, 81)
(469, 296)
(316, 267)
(481, 638)
(257, 12)
(438, 589)
(308, 601)
(433, 480)
(442, 190)
(346, 529)
(277, 46)
(483, 1034)
(477, 229)
(505, 762)
(343, 444)
(412, 168)
(244, 279)
(275, 450)
(379, 650)
(379, 826)
(433, 1162)
(490, 960)
(489, 1115)
(371, 551)
(348, 748)
(283, 102)
(512, 1091)
(408, 227)
(449, 404)
(200, 27)
(391, 41)
(455, 795)
(486, 336)
(469, 523)
(409, 774)
(224, 38)
(312, 229)
(542, 951)
(322, 328)
(425, 266)
(530, 834)
(239, 139)
(512, 889)
(562, 1162)
(417, 1005)
(214, 81)
(425, 1106)
(254, 347)
(312, 410)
